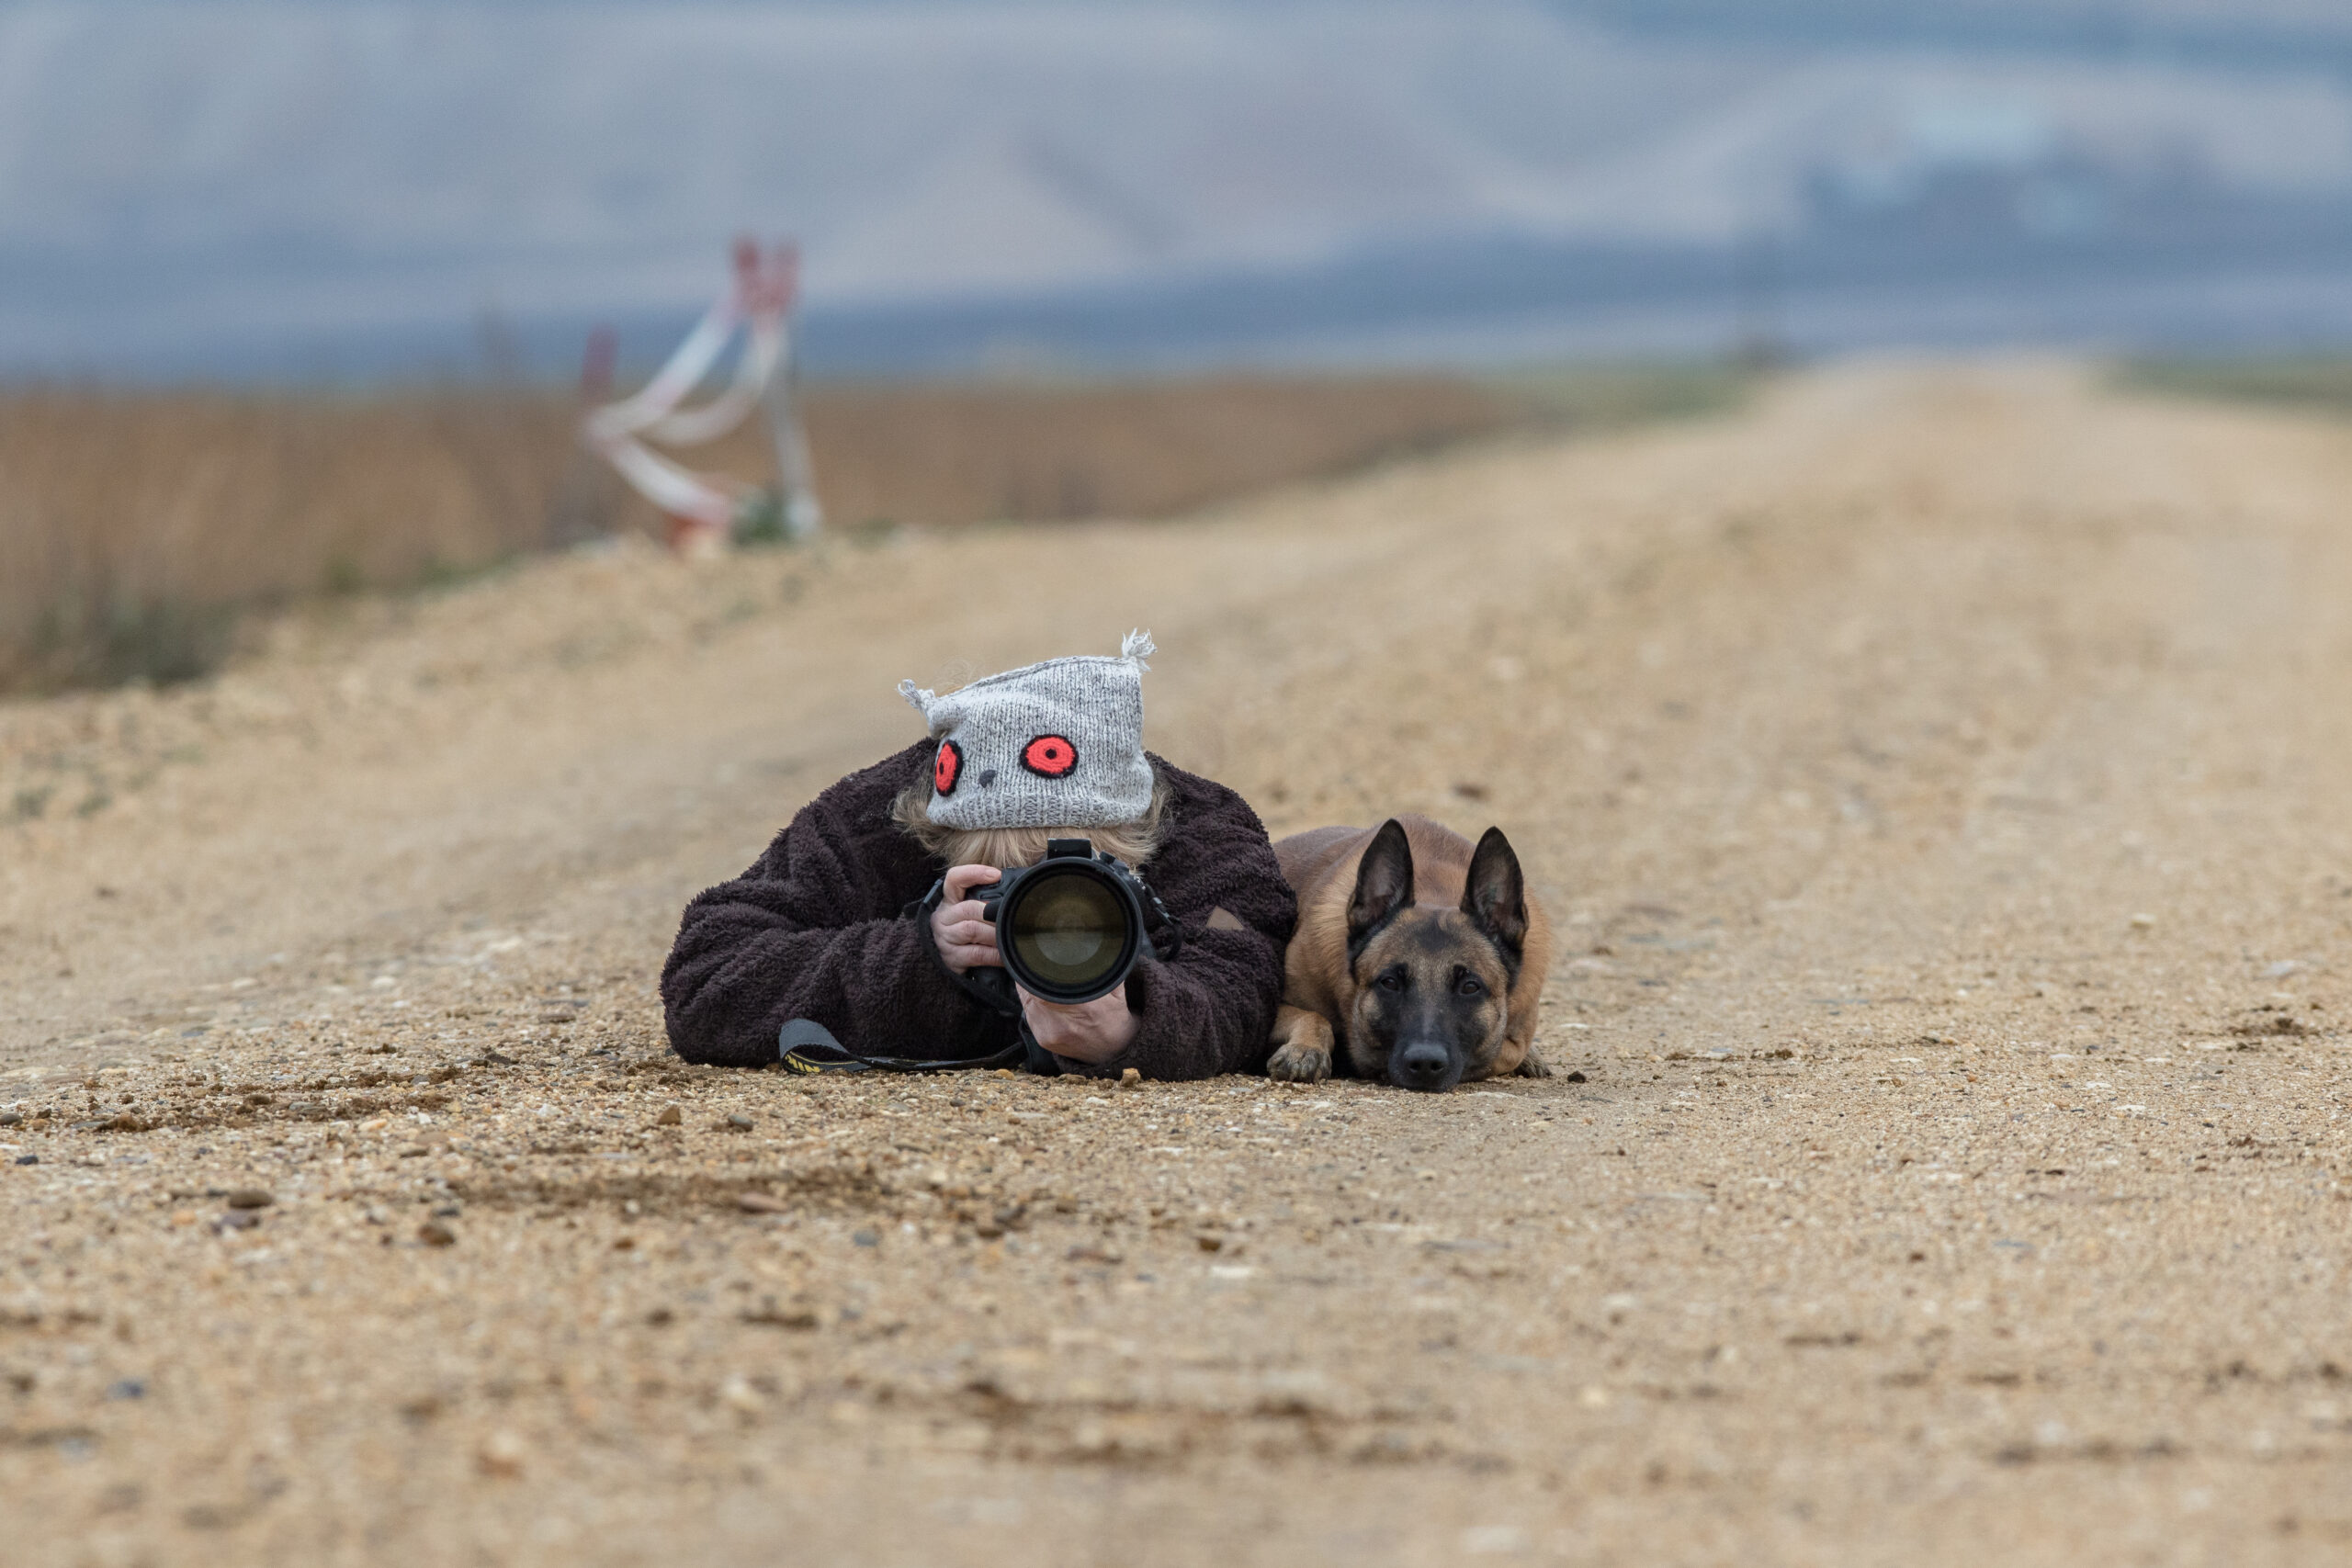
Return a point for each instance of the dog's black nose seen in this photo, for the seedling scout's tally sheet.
(1422, 1067)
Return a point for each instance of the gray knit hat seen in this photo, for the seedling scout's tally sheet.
(1051, 745)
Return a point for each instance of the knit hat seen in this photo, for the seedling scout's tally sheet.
(1051, 745)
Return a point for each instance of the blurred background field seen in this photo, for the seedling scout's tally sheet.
(2320, 382)
(136, 526)
(288, 288)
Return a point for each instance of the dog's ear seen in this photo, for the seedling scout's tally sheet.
(1384, 881)
(1495, 896)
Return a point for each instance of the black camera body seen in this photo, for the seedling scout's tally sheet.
(1073, 926)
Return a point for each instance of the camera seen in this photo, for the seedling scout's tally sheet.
(1071, 927)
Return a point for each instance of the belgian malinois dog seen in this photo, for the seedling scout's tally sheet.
(1417, 959)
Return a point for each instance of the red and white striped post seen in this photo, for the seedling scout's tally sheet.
(707, 510)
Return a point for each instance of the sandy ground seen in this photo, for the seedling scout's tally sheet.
(1937, 776)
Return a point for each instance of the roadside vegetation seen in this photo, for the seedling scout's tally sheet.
(2316, 382)
(137, 528)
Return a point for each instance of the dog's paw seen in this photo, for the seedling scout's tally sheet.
(1299, 1064)
(1532, 1066)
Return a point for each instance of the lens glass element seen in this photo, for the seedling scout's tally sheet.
(1070, 930)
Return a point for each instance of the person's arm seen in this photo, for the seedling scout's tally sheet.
(1212, 1009)
(814, 930)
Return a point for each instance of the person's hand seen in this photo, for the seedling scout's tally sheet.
(960, 927)
(1084, 1031)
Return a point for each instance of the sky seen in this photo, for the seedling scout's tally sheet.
(231, 183)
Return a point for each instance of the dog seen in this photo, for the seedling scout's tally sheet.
(1417, 958)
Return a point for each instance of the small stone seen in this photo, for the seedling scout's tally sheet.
(1209, 1243)
(741, 1397)
(760, 1203)
(29, 1159)
(433, 1233)
(250, 1198)
(1130, 1078)
(1575, 1077)
(799, 1318)
(865, 1238)
(2142, 922)
(671, 1116)
(501, 1455)
(739, 1122)
(12, 1118)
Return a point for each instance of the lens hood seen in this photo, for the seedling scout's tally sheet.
(1070, 927)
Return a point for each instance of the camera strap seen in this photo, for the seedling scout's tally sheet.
(819, 1058)
(805, 1045)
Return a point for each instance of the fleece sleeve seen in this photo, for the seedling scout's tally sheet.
(814, 930)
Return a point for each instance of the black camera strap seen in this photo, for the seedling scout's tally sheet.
(822, 1058)
(805, 1047)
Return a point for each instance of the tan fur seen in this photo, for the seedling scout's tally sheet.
(1319, 987)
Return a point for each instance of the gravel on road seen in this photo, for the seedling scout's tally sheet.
(1935, 776)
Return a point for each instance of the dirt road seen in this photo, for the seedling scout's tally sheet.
(1937, 775)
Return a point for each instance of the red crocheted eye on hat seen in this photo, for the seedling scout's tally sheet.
(947, 767)
(1049, 756)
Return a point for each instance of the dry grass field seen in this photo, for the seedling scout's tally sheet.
(134, 527)
(1936, 777)
(2315, 381)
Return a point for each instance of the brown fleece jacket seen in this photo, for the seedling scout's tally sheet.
(819, 929)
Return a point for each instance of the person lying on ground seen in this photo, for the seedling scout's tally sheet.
(860, 916)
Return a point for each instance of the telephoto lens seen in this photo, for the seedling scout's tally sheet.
(1071, 927)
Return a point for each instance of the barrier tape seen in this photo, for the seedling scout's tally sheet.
(758, 306)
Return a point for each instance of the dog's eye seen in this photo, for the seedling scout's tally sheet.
(1469, 985)
(1391, 981)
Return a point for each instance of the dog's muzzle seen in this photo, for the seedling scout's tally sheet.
(1427, 1067)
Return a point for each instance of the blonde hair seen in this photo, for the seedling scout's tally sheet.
(1134, 843)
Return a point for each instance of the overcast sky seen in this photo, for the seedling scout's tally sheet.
(204, 168)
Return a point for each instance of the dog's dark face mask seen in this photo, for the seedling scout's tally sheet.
(1432, 985)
